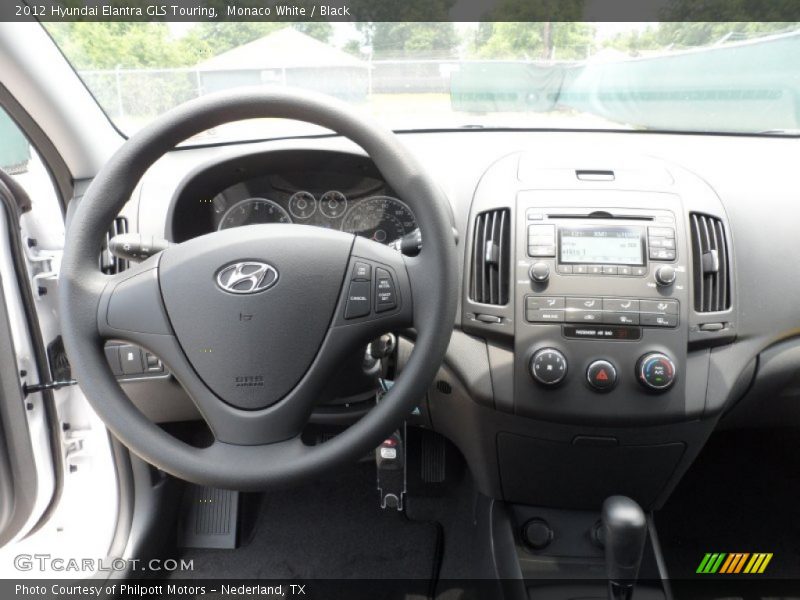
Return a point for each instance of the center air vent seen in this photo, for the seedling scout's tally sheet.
(710, 264)
(491, 257)
(110, 264)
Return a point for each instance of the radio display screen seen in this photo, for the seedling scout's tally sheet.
(601, 245)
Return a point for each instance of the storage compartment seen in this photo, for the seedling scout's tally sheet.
(581, 474)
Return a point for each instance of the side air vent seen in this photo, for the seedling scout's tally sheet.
(711, 264)
(110, 264)
(491, 257)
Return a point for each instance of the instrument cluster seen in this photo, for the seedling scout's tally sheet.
(377, 216)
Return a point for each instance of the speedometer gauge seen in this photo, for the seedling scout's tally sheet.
(254, 211)
(381, 218)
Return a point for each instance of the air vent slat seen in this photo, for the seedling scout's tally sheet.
(491, 251)
(710, 264)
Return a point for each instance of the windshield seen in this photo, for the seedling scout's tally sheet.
(707, 77)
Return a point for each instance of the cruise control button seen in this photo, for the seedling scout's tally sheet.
(385, 294)
(362, 271)
(358, 303)
(545, 316)
(584, 316)
(585, 303)
(669, 307)
(601, 375)
(655, 320)
(544, 302)
(613, 318)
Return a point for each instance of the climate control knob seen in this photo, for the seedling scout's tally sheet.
(656, 371)
(548, 366)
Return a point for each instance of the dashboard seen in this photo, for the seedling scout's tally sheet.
(311, 188)
(625, 311)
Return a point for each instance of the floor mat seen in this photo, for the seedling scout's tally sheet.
(330, 529)
(741, 495)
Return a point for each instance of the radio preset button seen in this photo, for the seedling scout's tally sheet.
(595, 270)
(662, 254)
(639, 271)
(564, 269)
(580, 269)
(665, 232)
(541, 251)
(610, 270)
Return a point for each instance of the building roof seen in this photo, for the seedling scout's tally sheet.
(285, 48)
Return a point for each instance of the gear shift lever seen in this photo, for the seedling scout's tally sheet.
(624, 529)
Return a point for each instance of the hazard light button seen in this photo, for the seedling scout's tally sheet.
(601, 375)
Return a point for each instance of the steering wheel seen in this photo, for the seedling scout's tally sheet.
(254, 321)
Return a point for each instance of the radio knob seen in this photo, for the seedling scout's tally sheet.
(548, 366)
(539, 272)
(665, 275)
(656, 371)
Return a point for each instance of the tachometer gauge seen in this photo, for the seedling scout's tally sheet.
(252, 212)
(333, 204)
(381, 218)
(302, 205)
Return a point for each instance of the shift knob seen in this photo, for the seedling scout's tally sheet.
(624, 529)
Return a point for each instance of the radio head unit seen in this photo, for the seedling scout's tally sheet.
(601, 245)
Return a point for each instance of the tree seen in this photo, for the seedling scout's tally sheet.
(91, 45)
(392, 40)
(531, 40)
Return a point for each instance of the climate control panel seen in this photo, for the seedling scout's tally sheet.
(655, 371)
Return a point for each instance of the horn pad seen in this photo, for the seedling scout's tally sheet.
(251, 306)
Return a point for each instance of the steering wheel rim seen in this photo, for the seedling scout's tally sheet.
(91, 303)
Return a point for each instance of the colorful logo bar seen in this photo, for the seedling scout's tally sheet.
(734, 563)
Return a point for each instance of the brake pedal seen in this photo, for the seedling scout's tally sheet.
(208, 518)
(390, 463)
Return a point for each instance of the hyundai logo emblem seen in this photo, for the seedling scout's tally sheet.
(247, 277)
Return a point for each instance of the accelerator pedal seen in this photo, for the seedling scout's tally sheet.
(208, 518)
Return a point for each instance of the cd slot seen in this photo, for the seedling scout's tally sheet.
(599, 214)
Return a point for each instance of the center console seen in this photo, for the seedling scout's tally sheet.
(601, 290)
(596, 289)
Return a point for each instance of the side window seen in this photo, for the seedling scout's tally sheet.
(19, 159)
(15, 151)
